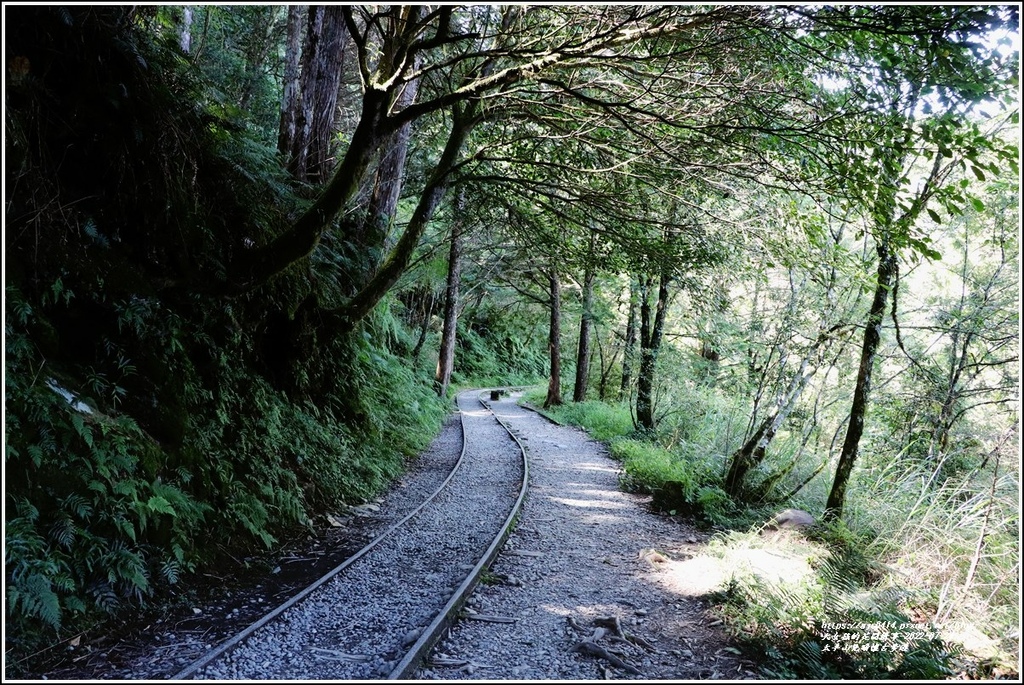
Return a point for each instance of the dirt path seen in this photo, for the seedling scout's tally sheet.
(591, 584)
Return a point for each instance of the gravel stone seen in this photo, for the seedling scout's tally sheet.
(379, 605)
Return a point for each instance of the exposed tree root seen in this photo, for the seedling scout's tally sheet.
(618, 633)
(589, 645)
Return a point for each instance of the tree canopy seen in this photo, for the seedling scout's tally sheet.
(238, 236)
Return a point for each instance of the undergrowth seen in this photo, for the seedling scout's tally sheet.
(493, 350)
(826, 627)
(153, 428)
(102, 516)
(951, 543)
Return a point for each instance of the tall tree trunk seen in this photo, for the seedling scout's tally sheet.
(607, 366)
(290, 97)
(888, 223)
(554, 345)
(387, 182)
(629, 351)
(185, 40)
(322, 55)
(651, 333)
(446, 356)
(579, 393)
(886, 275)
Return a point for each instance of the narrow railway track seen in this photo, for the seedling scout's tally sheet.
(377, 614)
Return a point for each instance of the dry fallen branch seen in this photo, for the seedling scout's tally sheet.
(335, 655)
(588, 647)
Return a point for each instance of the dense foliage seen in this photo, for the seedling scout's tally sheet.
(149, 428)
(777, 248)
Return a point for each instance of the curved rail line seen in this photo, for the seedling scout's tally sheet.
(443, 619)
(407, 665)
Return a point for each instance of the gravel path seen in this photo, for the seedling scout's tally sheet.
(359, 624)
(584, 554)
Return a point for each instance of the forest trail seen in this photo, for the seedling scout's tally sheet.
(590, 584)
(221, 332)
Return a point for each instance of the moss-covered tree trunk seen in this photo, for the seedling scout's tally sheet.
(446, 355)
(299, 241)
(463, 120)
(554, 396)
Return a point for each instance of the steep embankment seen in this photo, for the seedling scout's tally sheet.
(155, 425)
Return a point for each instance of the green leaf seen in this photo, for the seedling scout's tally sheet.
(978, 172)
(160, 505)
(978, 205)
(84, 431)
(935, 216)
(126, 527)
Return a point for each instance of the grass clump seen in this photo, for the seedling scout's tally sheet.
(950, 544)
(802, 605)
(601, 420)
(681, 480)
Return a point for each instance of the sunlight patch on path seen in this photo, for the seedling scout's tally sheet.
(703, 574)
(589, 503)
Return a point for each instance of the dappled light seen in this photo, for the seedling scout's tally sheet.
(702, 575)
(767, 257)
(589, 503)
(599, 467)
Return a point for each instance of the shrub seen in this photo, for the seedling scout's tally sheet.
(96, 518)
(601, 420)
(822, 629)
